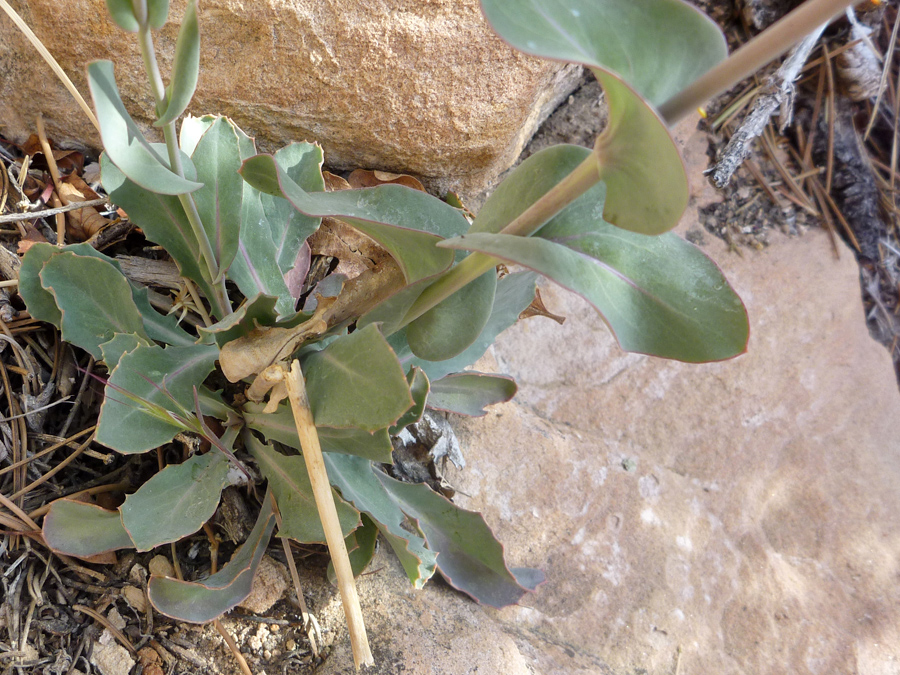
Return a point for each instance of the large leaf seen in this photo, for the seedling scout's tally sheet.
(202, 601)
(217, 158)
(660, 295)
(176, 501)
(272, 230)
(357, 382)
(121, 344)
(279, 426)
(406, 222)
(83, 530)
(160, 327)
(657, 46)
(162, 219)
(146, 388)
(94, 299)
(185, 66)
(469, 556)
(356, 480)
(647, 187)
(450, 327)
(289, 482)
(469, 393)
(123, 140)
(514, 293)
(39, 301)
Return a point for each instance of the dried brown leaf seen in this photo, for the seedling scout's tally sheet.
(537, 308)
(333, 182)
(362, 178)
(356, 251)
(81, 224)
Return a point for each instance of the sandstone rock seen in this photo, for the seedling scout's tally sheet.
(269, 585)
(109, 657)
(399, 85)
(736, 517)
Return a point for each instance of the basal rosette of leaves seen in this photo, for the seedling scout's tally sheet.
(378, 350)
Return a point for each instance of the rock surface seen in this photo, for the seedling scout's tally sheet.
(398, 85)
(736, 517)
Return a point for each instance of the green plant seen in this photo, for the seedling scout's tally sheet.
(375, 350)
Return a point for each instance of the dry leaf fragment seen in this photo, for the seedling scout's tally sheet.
(334, 183)
(81, 224)
(362, 178)
(356, 251)
(537, 308)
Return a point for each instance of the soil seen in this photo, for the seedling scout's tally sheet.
(43, 631)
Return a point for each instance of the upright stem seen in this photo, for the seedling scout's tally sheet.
(582, 178)
(321, 487)
(220, 303)
(764, 48)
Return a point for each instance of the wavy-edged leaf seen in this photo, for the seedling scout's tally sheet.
(257, 311)
(406, 222)
(272, 230)
(647, 187)
(361, 544)
(121, 344)
(419, 387)
(660, 295)
(514, 293)
(289, 482)
(449, 328)
(164, 381)
(279, 426)
(39, 301)
(217, 159)
(175, 502)
(83, 530)
(94, 299)
(355, 478)
(122, 12)
(162, 219)
(356, 381)
(202, 601)
(157, 13)
(469, 557)
(469, 393)
(185, 65)
(657, 46)
(123, 140)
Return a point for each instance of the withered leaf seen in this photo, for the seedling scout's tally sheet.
(81, 224)
(333, 182)
(361, 178)
(356, 251)
(537, 308)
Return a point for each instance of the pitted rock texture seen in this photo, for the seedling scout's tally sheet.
(398, 85)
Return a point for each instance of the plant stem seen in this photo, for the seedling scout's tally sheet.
(582, 178)
(321, 486)
(765, 47)
(145, 39)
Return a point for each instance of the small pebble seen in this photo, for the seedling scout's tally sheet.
(267, 654)
(161, 566)
(290, 645)
(274, 628)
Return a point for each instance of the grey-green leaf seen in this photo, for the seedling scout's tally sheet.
(163, 380)
(175, 502)
(122, 12)
(449, 328)
(657, 46)
(279, 426)
(357, 382)
(469, 393)
(123, 140)
(361, 544)
(356, 480)
(202, 601)
(217, 159)
(185, 66)
(419, 387)
(94, 299)
(289, 482)
(83, 530)
(157, 13)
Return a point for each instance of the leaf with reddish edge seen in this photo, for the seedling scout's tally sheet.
(356, 481)
(175, 502)
(291, 487)
(83, 530)
(470, 392)
(202, 601)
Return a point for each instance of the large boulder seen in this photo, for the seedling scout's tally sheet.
(398, 85)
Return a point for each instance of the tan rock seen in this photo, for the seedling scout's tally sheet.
(399, 85)
(269, 585)
(135, 597)
(110, 657)
(161, 566)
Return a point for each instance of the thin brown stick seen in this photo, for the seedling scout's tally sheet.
(115, 632)
(55, 470)
(321, 486)
(46, 213)
(232, 645)
(46, 451)
(832, 111)
(96, 490)
(295, 577)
